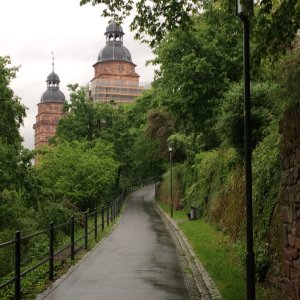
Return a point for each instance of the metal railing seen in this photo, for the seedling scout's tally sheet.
(99, 218)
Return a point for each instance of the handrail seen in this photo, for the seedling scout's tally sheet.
(27, 237)
(7, 244)
(105, 216)
(62, 225)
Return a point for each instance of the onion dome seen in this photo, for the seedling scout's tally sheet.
(113, 27)
(53, 94)
(53, 77)
(114, 49)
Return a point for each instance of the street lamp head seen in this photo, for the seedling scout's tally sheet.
(170, 149)
(244, 8)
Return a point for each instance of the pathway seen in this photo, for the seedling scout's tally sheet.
(137, 261)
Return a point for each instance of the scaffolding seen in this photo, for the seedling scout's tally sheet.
(119, 91)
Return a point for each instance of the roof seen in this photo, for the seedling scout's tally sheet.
(113, 27)
(53, 94)
(53, 77)
(114, 50)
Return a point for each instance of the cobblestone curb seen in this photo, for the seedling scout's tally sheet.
(199, 283)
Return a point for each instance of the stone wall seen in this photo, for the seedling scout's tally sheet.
(290, 155)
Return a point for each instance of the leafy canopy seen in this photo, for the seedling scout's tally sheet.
(12, 111)
(196, 66)
(230, 122)
(275, 22)
(80, 171)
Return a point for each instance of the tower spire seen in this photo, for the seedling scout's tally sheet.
(53, 59)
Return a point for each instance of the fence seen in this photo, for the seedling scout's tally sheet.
(100, 219)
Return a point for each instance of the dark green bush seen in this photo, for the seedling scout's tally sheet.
(264, 109)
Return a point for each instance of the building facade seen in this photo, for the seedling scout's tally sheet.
(50, 110)
(115, 77)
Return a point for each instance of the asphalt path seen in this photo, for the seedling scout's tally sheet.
(137, 261)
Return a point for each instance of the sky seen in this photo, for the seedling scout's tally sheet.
(32, 29)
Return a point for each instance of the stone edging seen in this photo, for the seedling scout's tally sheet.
(205, 285)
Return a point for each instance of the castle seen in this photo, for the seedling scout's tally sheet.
(115, 80)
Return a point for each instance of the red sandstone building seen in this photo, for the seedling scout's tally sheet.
(49, 111)
(115, 77)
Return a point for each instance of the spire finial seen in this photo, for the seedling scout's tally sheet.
(53, 58)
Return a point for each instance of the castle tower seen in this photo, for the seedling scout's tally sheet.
(115, 77)
(49, 111)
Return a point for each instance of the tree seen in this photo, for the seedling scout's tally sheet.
(12, 111)
(84, 118)
(230, 125)
(196, 66)
(276, 22)
(151, 18)
(82, 172)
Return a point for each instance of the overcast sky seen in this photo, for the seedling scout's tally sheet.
(32, 29)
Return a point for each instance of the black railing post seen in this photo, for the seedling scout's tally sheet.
(111, 211)
(95, 223)
(86, 230)
(102, 219)
(51, 251)
(114, 209)
(107, 216)
(18, 265)
(72, 225)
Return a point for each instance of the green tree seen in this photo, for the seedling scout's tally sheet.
(12, 113)
(265, 109)
(151, 18)
(84, 118)
(80, 171)
(275, 22)
(196, 66)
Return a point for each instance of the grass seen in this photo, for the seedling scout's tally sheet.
(220, 257)
(216, 252)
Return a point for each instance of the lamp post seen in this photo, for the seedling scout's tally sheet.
(171, 180)
(244, 10)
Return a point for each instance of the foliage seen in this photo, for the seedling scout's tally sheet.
(57, 213)
(275, 22)
(151, 18)
(13, 214)
(146, 160)
(210, 171)
(80, 171)
(12, 111)
(216, 252)
(266, 184)
(160, 126)
(196, 66)
(84, 119)
(122, 126)
(264, 108)
(275, 27)
(287, 75)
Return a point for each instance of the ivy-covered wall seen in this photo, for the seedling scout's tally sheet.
(290, 197)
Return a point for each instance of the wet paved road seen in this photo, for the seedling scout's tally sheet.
(138, 261)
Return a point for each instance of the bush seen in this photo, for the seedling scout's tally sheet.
(266, 185)
(208, 175)
(264, 109)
